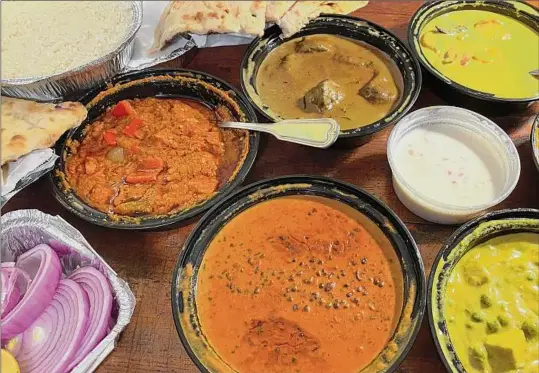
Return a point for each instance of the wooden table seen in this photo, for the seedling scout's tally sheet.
(146, 260)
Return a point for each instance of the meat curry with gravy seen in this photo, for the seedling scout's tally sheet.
(299, 284)
(329, 76)
(154, 157)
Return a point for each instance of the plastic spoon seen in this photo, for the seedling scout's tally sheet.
(318, 133)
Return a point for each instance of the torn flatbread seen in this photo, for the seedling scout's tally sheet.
(276, 9)
(251, 16)
(303, 11)
(196, 17)
(207, 17)
(28, 125)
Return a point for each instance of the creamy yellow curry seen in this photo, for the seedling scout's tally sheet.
(328, 76)
(484, 51)
(492, 306)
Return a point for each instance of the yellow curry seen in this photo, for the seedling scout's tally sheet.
(484, 51)
(492, 305)
(328, 76)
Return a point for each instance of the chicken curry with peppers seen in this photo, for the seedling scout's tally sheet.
(154, 156)
(299, 284)
(328, 76)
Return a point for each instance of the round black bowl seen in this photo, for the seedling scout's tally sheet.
(472, 98)
(352, 28)
(184, 280)
(154, 83)
(535, 141)
(473, 233)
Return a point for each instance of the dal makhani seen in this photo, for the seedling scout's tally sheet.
(299, 284)
(329, 76)
(154, 156)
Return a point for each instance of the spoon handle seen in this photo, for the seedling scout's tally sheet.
(318, 133)
(248, 126)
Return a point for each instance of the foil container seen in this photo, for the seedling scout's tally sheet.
(24, 229)
(62, 85)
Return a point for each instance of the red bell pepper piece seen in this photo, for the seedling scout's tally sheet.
(109, 137)
(132, 127)
(154, 163)
(122, 109)
(141, 178)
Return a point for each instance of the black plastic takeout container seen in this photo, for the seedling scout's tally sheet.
(154, 83)
(502, 222)
(184, 304)
(534, 139)
(451, 90)
(355, 29)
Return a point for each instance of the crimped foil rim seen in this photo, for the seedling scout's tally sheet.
(67, 235)
(136, 8)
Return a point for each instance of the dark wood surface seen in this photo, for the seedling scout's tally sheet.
(146, 260)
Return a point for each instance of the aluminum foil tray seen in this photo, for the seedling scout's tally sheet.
(24, 229)
(59, 86)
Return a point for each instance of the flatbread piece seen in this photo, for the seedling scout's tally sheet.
(197, 17)
(28, 125)
(206, 17)
(303, 11)
(251, 16)
(276, 9)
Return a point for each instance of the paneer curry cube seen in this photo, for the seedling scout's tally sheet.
(506, 350)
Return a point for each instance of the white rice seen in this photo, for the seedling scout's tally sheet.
(41, 38)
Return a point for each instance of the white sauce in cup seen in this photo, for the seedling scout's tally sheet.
(450, 164)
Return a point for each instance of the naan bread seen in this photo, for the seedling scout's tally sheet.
(245, 17)
(197, 17)
(303, 11)
(276, 9)
(251, 16)
(206, 17)
(28, 125)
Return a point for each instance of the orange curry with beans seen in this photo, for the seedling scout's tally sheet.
(154, 156)
(299, 284)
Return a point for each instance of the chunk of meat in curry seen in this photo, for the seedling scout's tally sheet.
(299, 79)
(323, 96)
(154, 156)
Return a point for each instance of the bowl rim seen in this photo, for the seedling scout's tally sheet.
(369, 129)
(413, 36)
(208, 221)
(449, 244)
(150, 223)
(534, 139)
(508, 145)
(135, 24)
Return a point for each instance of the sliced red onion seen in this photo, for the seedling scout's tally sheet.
(15, 283)
(50, 343)
(43, 266)
(97, 287)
